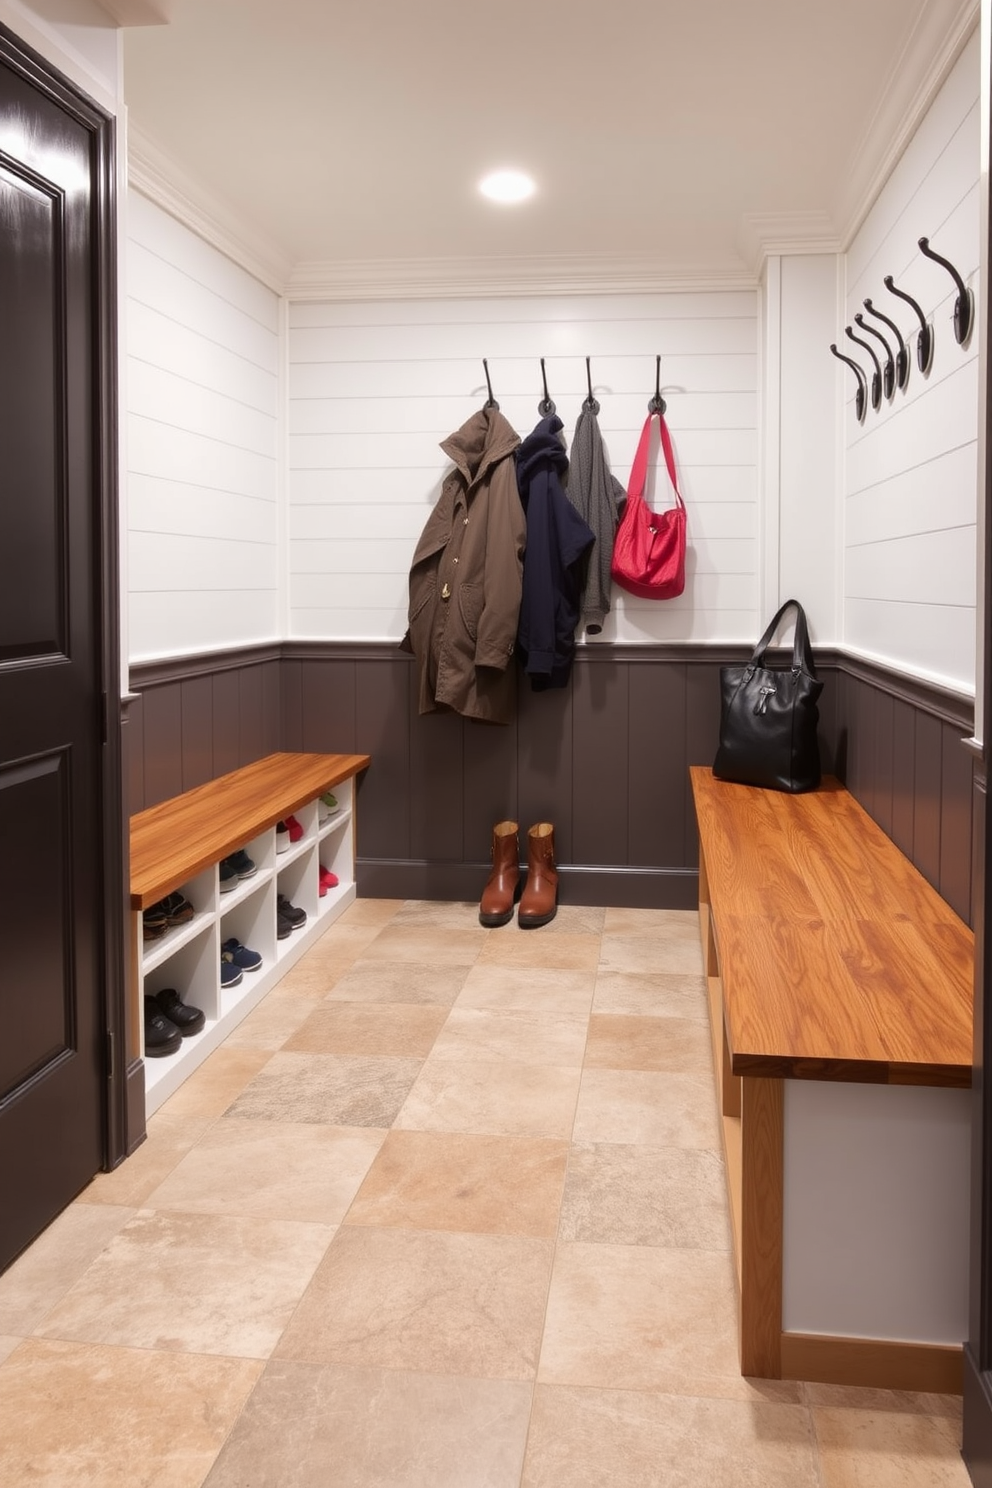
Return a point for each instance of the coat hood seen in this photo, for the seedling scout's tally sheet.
(480, 443)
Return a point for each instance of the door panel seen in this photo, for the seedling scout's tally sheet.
(53, 1002)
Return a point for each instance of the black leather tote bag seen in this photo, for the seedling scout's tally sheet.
(768, 716)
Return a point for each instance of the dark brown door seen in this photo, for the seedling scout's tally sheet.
(53, 447)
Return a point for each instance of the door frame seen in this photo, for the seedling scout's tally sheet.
(123, 1113)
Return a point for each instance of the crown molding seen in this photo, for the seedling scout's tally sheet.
(942, 30)
(139, 12)
(764, 233)
(157, 176)
(485, 277)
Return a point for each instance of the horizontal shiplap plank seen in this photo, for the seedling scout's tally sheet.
(167, 562)
(933, 568)
(154, 338)
(162, 235)
(402, 415)
(942, 492)
(416, 450)
(156, 505)
(165, 623)
(646, 339)
(929, 640)
(172, 399)
(387, 623)
(460, 377)
(524, 310)
(942, 420)
(175, 454)
(154, 282)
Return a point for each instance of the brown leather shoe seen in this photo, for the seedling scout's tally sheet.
(539, 900)
(503, 884)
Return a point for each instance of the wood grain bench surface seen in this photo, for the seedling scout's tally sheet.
(178, 838)
(837, 958)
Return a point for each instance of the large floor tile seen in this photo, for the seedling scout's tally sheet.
(210, 1090)
(268, 1026)
(330, 1089)
(539, 989)
(367, 912)
(569, 951)
(452, 1181)
(524, 1037)
(169, 1139)
(274, 1170)
(492, 1096)
(197, 1283)
(651, 994)
(84, 1416)
(40, 1278)
(886, 1449)
(443, 1303)
(647, 1108)
(436, 914)
(680, 953)
(642, 1318)
(620, 1195)
(455, 947)
(400, 981)
(7, 1345)
(404, 1030)
(320, 1426)
(660, 924)
(623, 1439)
(679, 1045)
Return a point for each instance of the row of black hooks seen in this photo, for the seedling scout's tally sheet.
(546, 405)
(893, 372)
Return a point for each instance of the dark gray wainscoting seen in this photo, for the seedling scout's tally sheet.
(605, 760)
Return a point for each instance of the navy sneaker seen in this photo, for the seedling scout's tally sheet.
(230, 975)
(239, 955)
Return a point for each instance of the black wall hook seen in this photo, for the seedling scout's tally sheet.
(545, 406)
(924, 342)
(876, 376)
(889, 368)
(902, 355)
(590, 404)
(964, 305)
(657, 403)
(490, 401)
(859, 400)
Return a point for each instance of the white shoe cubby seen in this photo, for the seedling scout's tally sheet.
(188, 957)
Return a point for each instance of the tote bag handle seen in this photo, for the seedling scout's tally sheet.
(639, 469)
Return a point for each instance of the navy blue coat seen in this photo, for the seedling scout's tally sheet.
(558, 543)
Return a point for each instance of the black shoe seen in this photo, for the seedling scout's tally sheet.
(242, 864)
(161, 1035)
(188, 1020)
(284, 927)
(296, 917)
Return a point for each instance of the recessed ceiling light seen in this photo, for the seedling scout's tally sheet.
(507, 186)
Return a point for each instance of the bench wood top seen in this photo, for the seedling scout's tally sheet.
(180, 837)
(838, 960)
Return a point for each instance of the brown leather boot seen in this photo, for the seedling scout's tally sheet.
(539, 900)
(503, 884)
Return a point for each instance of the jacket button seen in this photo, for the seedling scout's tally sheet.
(445, 592)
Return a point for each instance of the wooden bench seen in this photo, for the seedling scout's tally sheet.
(840, 989)
(179, 844)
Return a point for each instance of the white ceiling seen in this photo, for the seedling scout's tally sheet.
(665, 137)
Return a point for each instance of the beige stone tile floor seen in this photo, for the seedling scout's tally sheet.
(446, 1211)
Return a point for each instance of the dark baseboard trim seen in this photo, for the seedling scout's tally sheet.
(628, 888)
(135, 1097)
(976, 1443)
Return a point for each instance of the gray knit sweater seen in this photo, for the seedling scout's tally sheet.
(597, 496)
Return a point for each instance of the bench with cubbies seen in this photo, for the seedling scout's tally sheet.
(179, 844)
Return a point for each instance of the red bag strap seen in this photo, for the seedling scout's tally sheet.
(639, 469)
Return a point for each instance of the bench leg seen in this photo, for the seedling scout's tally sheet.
(762, 1131)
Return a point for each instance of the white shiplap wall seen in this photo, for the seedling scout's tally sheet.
(909, 582)
(374, 387)
(202, 439)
